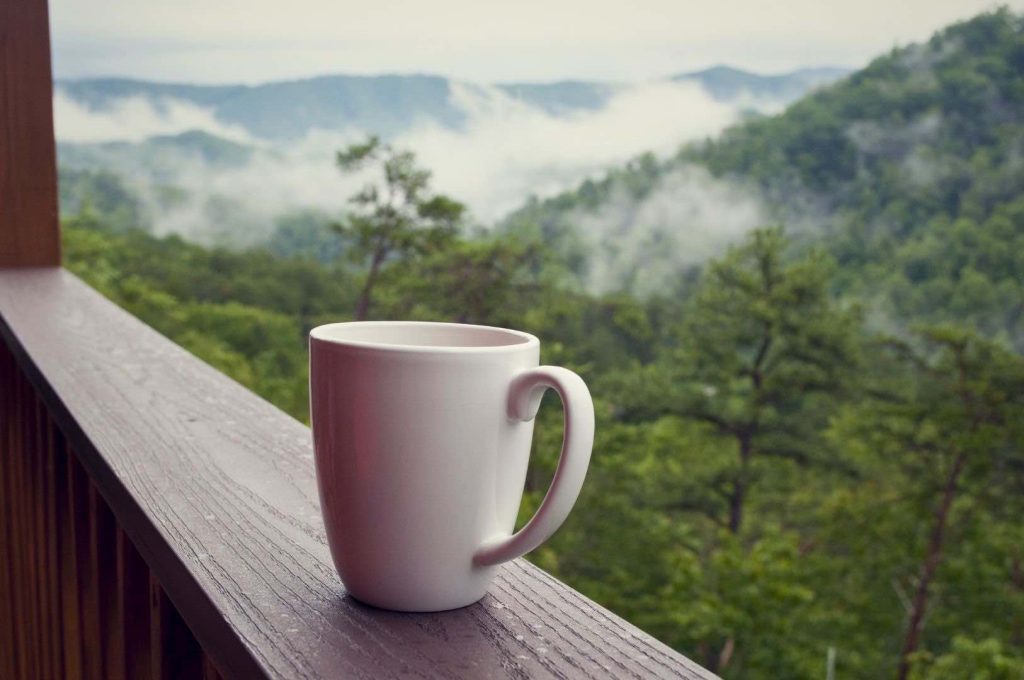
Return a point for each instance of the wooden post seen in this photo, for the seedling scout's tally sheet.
(29, 230)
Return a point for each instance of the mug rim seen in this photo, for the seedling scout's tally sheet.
(526, 340)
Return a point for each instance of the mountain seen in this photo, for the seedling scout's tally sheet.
(131, 157)
(726, 83)
(285, 110)
(909, 172)
(390, 104)
(237, 159)
(562, 97)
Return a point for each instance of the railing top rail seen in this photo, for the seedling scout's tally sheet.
(216, 488)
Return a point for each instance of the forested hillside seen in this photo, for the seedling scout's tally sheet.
(809, 446)
(908, 172)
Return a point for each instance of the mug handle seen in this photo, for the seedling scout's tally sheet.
(524, 397)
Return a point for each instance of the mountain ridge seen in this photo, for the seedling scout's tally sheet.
(727, 82)
(710, 71)
(391, 103)
(893, 171)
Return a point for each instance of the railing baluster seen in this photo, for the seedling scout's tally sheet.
(101, 557)
(52, 559)
(37, 546)
(92, 650)
(14, 491)
(176, 654)
(133, 607)
(159, 666)
(8, 372)
(73, 663)
(22, 592)
(38, 554)
(210, 671)
(117, 659)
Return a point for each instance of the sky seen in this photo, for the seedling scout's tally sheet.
(251, 41)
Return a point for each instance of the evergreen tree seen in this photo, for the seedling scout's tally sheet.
(396, 216)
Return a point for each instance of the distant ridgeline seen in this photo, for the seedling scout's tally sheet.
(218, 164)
(286, 110)
(909, 172)
(390, 104)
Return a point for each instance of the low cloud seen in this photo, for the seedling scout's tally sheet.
(506, 152)
(133, 119)
(509, 150)
(642, 246)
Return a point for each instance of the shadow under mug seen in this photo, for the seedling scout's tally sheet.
(422, 435)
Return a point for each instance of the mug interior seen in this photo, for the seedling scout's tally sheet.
(419, 334)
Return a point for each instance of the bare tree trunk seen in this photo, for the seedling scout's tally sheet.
(363, 305)
(737, 501)
(738, 497)
(745, 440)
(933, 557)
(725, 655)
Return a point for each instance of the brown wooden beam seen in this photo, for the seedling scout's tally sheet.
(29, 229)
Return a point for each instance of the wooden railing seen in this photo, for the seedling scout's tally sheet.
(158, 519)
(77, 600)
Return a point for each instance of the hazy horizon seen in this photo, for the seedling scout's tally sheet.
(260, 41)
(428, 74)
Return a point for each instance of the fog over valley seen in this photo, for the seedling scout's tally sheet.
(226, 164)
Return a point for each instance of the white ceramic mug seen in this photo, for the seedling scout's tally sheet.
(422, 434)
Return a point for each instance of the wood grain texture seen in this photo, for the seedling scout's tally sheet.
(29, 229)
(216, 489)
